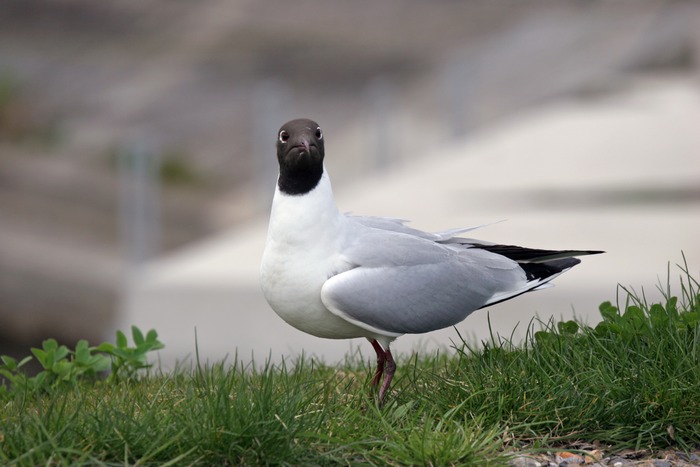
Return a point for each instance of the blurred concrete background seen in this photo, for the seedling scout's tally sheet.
(137, 161)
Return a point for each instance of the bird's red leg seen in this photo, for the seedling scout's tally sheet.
(390, 367)
(381, 358)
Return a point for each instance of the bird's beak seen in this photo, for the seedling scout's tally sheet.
(305, 144)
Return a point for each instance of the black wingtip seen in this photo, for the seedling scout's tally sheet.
(540, 266)
(541, 271)
(534, 255)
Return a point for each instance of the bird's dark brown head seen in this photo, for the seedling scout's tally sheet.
(300, 155)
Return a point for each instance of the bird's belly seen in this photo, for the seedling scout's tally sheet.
(294, 293)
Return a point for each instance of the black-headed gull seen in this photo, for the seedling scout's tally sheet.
(338, 276)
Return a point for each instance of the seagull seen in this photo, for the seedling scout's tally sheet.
(340, 276)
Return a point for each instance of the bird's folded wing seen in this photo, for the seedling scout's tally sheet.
(431, 288)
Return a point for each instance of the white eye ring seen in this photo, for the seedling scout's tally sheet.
(319, 133)
(284, 136)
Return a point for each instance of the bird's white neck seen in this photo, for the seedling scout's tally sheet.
(304, 218)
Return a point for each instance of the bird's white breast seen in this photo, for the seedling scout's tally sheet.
(302, 251)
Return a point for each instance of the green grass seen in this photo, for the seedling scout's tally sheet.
(632, 381)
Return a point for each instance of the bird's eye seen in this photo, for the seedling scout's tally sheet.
(284, 136)
(319, 133)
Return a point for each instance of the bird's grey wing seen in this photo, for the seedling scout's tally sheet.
(404, 284)
(450, 238)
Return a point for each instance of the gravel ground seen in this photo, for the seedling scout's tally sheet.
(593, 455)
